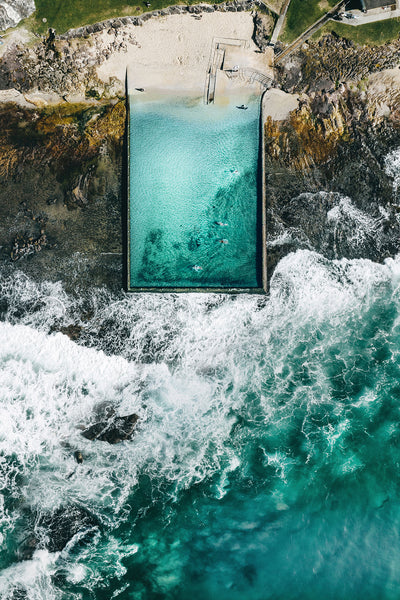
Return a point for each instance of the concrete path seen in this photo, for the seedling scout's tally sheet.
(372, 17)
(279, 24)
(310, 31)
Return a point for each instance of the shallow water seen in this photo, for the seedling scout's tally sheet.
(193, 193)
(266, 460)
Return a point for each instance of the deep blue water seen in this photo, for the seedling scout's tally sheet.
(193, 193)
(266, 461)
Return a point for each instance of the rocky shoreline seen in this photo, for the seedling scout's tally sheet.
(177, 9)
(329, 186)
(61, 202)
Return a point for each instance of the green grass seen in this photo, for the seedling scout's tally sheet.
(371, 34)
(301, 14)
(63, 15)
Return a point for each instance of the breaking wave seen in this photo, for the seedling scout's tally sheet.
(273, 405)
(264, 463)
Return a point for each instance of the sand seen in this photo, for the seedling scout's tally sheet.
(173, 52)
(277, 104)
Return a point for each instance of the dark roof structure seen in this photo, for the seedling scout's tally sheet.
(378, 3)
(368, 4)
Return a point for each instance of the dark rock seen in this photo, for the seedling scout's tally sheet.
(59, 527)
(337, 59)
(78, 457)
(51, 36)
(322, 106)
(72, 331)
(18, 593)
(27, 245)
(28, 547)
(263, 26)
(322, 85)
(113, 430)
(174, 10)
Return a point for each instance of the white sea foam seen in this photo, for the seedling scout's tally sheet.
(13, 11)
(392, 167)
(34, 576)
(211, 357)
(346, 209)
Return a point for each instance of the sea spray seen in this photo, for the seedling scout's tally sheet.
(266, 441)
(392, 167)
(12, 12)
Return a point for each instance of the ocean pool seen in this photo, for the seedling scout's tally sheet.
(193, 194)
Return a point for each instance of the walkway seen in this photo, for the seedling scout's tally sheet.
(309, 32)
(371, 17)
(237, 60)
(279, 24)
(216, 63)
(249, 76)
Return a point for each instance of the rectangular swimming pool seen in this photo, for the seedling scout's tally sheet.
(194, 205)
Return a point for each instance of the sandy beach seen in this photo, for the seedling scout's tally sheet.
(173, 53)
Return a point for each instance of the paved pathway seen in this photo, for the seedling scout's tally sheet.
(363, 19)
(309, 32)
(279, 24)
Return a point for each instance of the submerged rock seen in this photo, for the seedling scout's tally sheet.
(78, 457)
(55, 530)
(18, 593)
(72, 331)
(63, 524)
(114, 430)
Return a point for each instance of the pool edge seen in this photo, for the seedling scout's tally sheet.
(216, 290)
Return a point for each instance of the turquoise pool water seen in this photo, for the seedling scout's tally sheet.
(193, 193)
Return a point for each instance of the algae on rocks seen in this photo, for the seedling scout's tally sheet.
(60, 202)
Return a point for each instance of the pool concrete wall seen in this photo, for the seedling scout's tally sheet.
(262, 227)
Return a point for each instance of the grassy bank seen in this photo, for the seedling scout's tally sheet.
(301, 14)
(62, 16)
(74, 13)
(371, 34)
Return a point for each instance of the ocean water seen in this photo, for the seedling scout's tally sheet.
(266, 459)
(193, 193)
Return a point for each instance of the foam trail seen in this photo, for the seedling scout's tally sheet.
(392, 167)
(234, 395)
